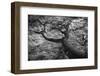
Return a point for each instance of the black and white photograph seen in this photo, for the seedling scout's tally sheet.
(52, 37)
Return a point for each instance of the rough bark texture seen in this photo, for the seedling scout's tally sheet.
(57, 37)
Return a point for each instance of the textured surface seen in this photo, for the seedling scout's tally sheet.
(57, 37)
